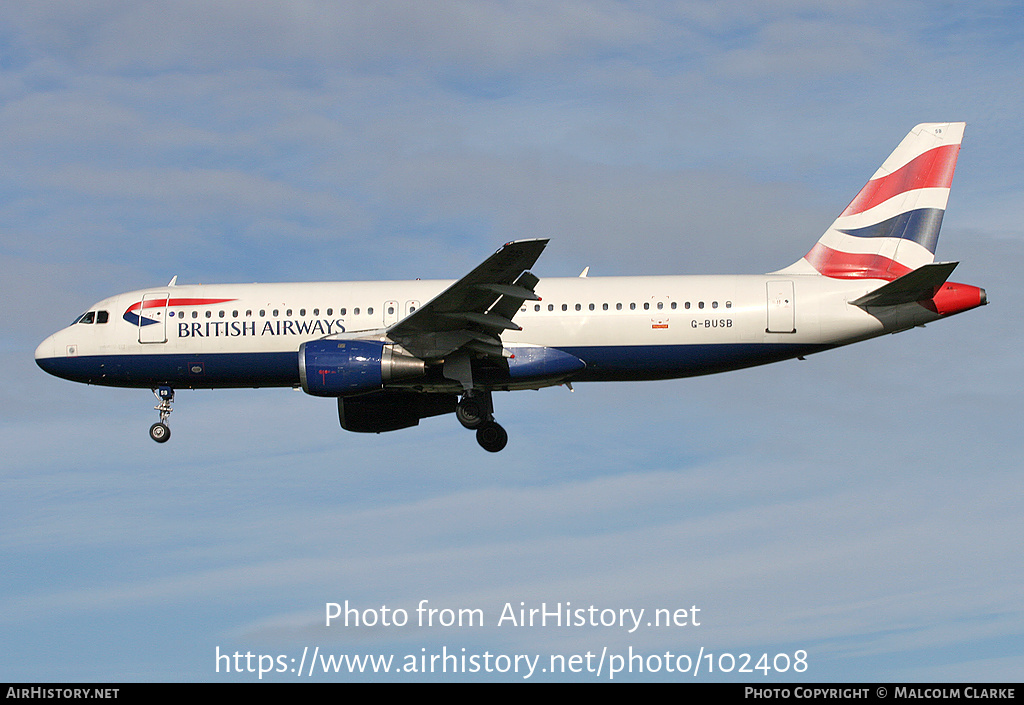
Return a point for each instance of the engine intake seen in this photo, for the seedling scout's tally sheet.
(338, 368)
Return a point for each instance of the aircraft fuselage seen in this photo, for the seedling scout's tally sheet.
(623, 328)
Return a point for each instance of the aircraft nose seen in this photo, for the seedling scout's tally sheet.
(45, 349)
(45, 354)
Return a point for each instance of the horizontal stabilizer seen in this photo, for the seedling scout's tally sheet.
(918, 285)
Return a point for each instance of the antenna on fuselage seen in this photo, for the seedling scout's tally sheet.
(174, 281)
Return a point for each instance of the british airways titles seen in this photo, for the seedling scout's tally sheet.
(234, 329)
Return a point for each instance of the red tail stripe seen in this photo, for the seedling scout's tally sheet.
(933, 169)
(849, 265)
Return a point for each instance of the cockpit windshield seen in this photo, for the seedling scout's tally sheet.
(92, 317)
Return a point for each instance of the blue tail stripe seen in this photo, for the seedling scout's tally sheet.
(921, 226)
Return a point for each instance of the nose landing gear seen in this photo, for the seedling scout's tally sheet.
(160, 431)
(476, 412)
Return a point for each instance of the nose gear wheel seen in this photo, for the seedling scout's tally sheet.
(160, 431)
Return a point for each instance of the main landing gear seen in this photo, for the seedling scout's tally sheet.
(476, 412)
(160, 431)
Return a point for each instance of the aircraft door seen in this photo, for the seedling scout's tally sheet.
(153, 318)
(781, 317)
(390, 313)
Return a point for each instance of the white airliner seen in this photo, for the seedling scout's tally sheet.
(395, 352)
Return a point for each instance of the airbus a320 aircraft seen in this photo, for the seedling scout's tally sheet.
(395, 352)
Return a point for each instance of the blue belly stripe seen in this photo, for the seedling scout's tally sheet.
(181, 371)
(281, 369)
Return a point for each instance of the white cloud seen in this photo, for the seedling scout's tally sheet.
(488, 36)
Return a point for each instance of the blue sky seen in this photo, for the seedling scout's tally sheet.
(863, 505)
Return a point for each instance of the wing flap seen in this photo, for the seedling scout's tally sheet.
(510, 301)
(511, 291)
(487, 320)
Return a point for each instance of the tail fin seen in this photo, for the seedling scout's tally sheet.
(892, 225)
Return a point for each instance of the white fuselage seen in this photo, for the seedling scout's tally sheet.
(623, 328)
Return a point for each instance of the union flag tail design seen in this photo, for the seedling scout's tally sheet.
(892, 225)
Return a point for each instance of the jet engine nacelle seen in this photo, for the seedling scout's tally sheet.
(391, 409)
(338, 368)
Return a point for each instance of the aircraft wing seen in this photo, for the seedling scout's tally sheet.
(474, 311)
